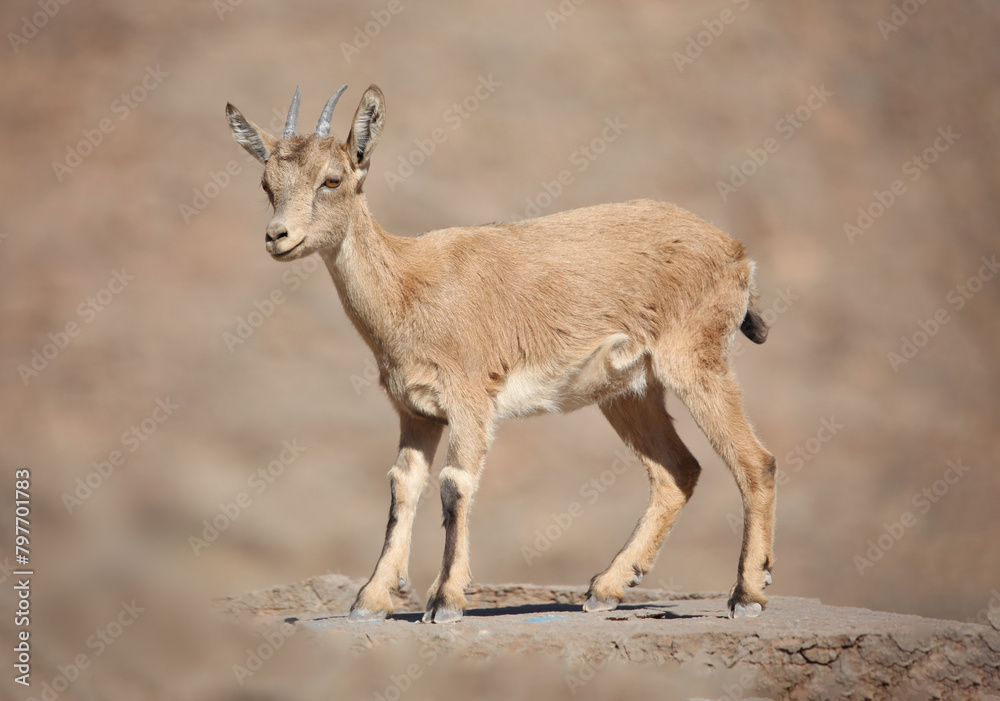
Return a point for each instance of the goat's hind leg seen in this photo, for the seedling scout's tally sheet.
(646, 427)
(408, 477)
(715, 401)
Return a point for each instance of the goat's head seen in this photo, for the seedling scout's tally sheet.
(313, 181)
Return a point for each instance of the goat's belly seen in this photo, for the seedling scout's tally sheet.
(613, 368)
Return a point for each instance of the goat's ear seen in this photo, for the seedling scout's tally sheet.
(255, 140)
(366, 129)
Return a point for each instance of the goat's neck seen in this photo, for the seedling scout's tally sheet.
(366, 269)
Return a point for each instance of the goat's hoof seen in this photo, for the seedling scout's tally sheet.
(596, 603)
(751, 610)
(360, 615)
(442, 613)
(767, 577)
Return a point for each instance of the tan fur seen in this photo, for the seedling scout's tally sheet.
(609, 305)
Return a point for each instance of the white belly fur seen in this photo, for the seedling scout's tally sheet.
(615, 367)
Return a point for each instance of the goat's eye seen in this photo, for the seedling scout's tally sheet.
(265, 187)
(332, 182)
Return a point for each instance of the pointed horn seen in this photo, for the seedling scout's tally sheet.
(293, 114)
(323, 128)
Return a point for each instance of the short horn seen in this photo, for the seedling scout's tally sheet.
(293, 114)
(323, 128)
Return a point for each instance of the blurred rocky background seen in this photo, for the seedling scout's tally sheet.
(158, 369)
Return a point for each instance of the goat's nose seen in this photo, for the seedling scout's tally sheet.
(275, 231)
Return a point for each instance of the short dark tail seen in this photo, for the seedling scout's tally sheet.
(753, 326)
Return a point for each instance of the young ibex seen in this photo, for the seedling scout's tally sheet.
(610, 305)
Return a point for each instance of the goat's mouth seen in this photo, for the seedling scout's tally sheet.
(284, 255)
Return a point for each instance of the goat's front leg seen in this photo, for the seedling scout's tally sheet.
(470, 438)
(418, 441)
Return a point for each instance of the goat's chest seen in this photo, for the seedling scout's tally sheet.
(416, 387)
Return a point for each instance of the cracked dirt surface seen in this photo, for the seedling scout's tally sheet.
(798, 649)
